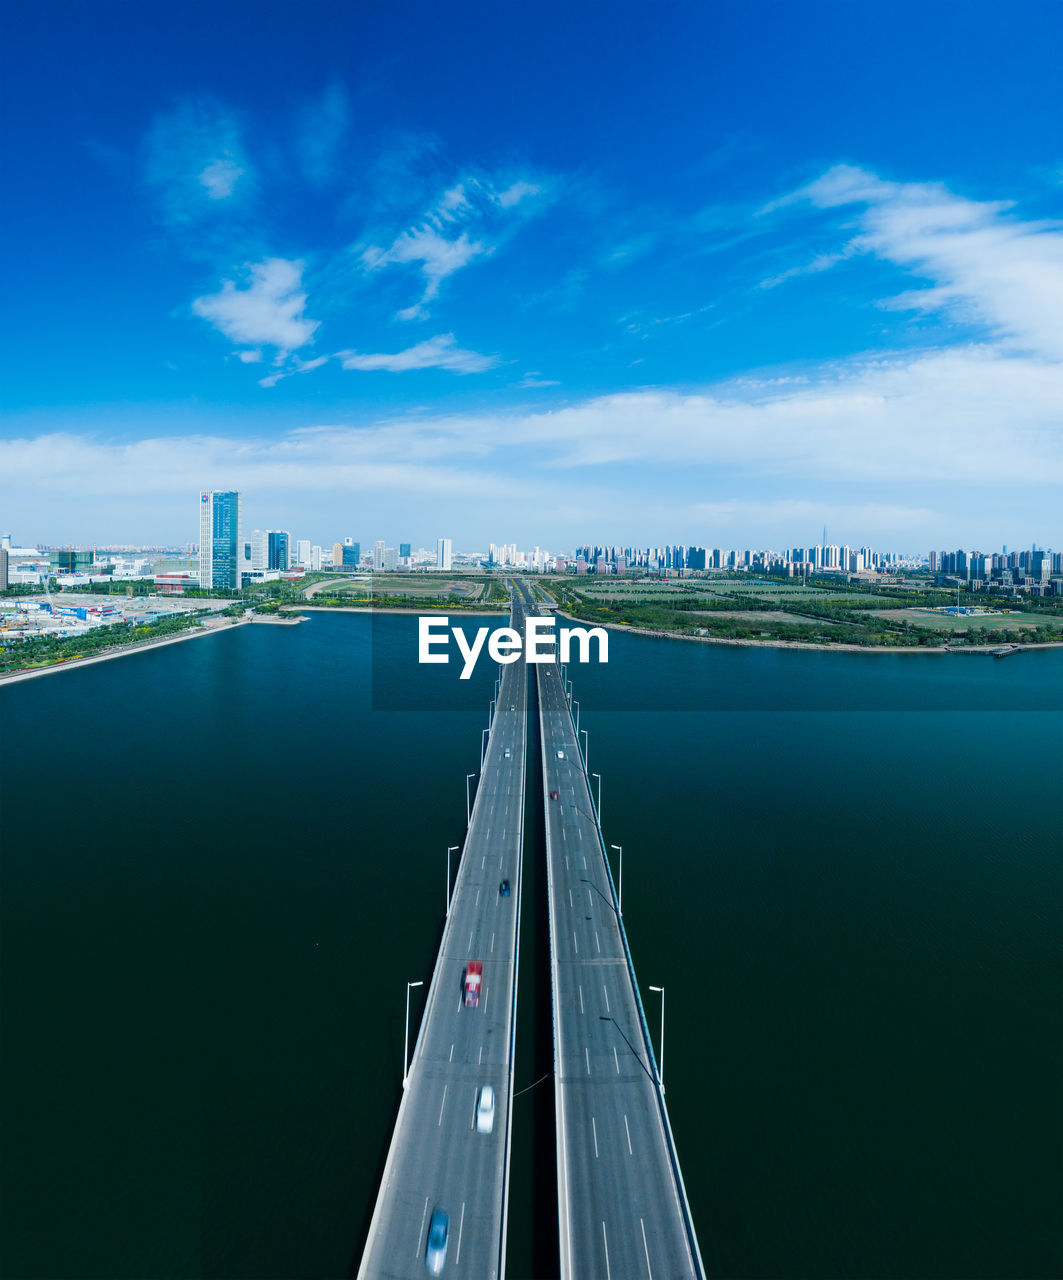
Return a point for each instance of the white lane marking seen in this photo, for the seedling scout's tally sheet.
(483, 862)
(461, 1228)
(566, 862)
(616, 1060)
(587, 1055)
(594, 1131)
(645, 1246)
(606, 994)
(563, 835)
(487, 996)
(488, 833)
(479, 1060)
(492, 942)
(441, 1106)
(581, 999)
(477, 902)
(584, 862)
(605, 1241)
(420, 1237)
(451, 1059)
(503, 833)
(574, 942)
(570, 902)
(627, 1130)
(500, 857)
(597, 940)
(470, 941)
(579, 832)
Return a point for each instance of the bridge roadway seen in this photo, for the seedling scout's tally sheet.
(437, 1159)
(623, 1209)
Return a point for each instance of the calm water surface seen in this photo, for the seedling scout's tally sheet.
(221, 865)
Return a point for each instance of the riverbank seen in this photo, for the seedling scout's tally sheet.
(808, 644)
(349, 608)
(69, 664)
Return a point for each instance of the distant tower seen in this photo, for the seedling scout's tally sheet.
(443, 554)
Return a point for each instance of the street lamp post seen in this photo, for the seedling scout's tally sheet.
(450, 849)
(660, 1065)
(599, 777)
(576, 705)
(586, 745)
(620, 882)
(483, 745)
(468, 802)
(406, 1041)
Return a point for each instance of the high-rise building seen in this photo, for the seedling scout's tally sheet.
(352, 553)
(444, 555)
(220, 548)
(3, 568)
(404, 550)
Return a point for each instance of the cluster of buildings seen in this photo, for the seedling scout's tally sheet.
(1038, 571)
(793, 562)
(230, 558)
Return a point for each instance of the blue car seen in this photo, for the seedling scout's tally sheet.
(503, 888)
(435, 1255)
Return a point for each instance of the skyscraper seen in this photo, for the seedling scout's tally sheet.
(443, 554)
(220, 548)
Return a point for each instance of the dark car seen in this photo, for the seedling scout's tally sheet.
(503, 888)
(555, 795)
(435, 1256)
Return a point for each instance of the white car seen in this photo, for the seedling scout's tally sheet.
(561, 755)
(485, 1110)
(506, 753)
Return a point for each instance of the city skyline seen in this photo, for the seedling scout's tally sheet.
(740, 274)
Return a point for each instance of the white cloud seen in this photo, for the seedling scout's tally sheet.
(438, 258)
(269, 310)
(194, 159)
(987, 265)
(517, 192)
(250, 357)
(435, 353)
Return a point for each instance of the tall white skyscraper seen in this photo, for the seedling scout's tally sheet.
(443, 554)
(221, 552)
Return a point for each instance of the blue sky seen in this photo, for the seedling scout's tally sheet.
(703, 273)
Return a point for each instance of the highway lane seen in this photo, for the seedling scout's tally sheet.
(437, 1159)
(622, 1205)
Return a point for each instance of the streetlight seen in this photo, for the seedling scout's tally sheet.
(468, 802)
(586, 745)
(599, 777)
(450, 850)
(576, 705)
(620, 883)
(660, 1065)
(406, 1041)
(483, 745)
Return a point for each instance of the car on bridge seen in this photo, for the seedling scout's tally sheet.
(485, 1110)
(555, 795)
(435, 1254)
(474, 976)
(503, 888)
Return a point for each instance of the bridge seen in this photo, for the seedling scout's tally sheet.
(623, 1209)
(438, 1158)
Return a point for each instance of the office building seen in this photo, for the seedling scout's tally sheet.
(352, 554)
(220, 548)
(444, 555)
(3, 568)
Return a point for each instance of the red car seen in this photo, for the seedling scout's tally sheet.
(555, 795)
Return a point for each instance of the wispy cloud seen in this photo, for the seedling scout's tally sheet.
(195, 160)
(987, 265)
(267, 311)
(441, 352)
(322, 127)
(443, 240)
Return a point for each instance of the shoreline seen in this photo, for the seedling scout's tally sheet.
(349, 608)
(809, 644)
(71, 664)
